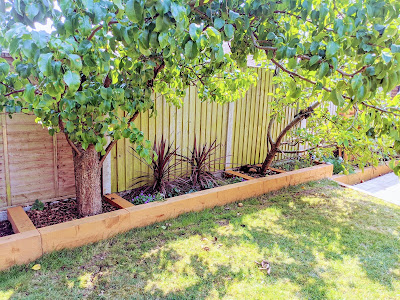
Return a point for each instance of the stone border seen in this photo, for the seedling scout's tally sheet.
(24, 247)
(360, 176)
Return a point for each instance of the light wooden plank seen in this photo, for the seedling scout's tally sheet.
(193, 119)
(258, 118)
(224, 131)
(6, 161)
(121, 163)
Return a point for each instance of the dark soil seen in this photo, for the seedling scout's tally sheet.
(180, 189)
(5, 228)
(59, 212)
(253, 171)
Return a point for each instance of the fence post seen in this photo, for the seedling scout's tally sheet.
(229, 135)
(6, 163)
(107, 173)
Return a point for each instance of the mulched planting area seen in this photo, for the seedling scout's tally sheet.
(59, 212)
(5, 228)
(181, 190)
(253, 171)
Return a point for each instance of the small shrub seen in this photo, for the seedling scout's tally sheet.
(339, 165)
(147, 198)
(37, 205)
(162, 169)
(199, 160)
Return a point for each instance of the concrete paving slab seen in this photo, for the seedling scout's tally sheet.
(386, 187)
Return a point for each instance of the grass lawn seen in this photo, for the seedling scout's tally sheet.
(322, 241)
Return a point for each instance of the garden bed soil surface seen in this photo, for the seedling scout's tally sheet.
(254, 171)
(292, 164)
(60, 212)
(5, 228)
(182, 190)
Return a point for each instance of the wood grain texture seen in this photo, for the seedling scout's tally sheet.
(39, 166)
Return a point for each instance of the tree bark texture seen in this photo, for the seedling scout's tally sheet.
(303, 114)
(87, 169)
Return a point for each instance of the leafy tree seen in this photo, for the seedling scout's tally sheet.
(332, 52)
(96, 71)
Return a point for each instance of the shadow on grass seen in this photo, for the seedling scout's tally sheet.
(311, 234)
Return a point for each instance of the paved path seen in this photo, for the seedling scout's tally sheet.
(386, 187)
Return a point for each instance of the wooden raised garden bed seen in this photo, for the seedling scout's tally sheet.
(360, 176)
(29, 243)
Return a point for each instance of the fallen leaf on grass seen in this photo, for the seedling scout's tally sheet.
(36, 267)
(264, 266)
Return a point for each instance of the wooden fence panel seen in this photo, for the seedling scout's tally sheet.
(206, 121)
(3, 163)
(33, 164)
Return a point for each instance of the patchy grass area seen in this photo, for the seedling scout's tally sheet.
(322, 241)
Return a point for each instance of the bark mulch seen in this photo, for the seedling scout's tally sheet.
(5, 228)
(59, 212)
(253, 171)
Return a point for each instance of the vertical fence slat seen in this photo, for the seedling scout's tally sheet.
(6, 161)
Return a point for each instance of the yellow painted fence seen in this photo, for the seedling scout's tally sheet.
(240, 129)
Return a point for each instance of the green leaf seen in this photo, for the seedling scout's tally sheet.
(98, 147)
(386, 56)
(314, 59)
(233, 15)
(163, 39)
(44, 63)
(70, 126)
(194, 31)
(134, 11)
(336, 98)
(75, 62)
(290, 52)
(368, 59)
(229, 30)
(29, 93)
(162, 6)
(4, 69)
(73, 80)
(190, 50)
(395, 48)
(32, 10)
(214, 35)
(323, 70)
(219, 23)
(331, 49)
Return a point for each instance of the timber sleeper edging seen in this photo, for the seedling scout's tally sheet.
(360, 176)
(27, 246)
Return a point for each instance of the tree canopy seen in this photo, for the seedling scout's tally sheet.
(104, 57)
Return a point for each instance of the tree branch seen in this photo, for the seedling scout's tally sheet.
(294, 74)
(258, 46)
(111, 145)
(306, 150)
(306, 57)
(73, 146)
(379, 109)
(270, 140)
(14, 92)
(98, 28)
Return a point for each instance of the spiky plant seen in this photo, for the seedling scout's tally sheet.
(200, 159)
(163, 176)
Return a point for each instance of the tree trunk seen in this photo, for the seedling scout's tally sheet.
(268, 160)
(303, 114)
(87, 170)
